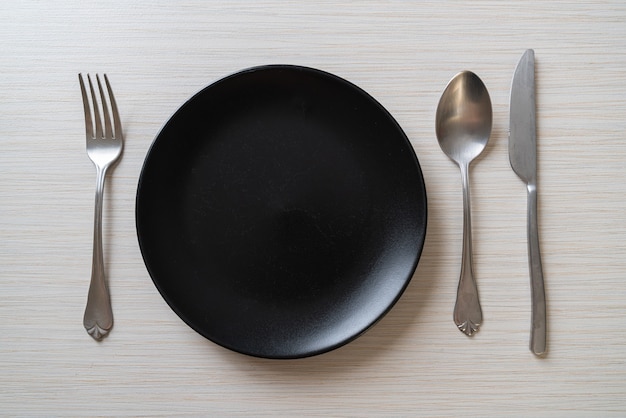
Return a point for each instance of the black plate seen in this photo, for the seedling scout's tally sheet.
(281, 211)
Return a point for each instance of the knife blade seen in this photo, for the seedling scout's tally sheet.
(523, 158)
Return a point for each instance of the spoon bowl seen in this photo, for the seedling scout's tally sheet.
(464, 118)
(463, 126)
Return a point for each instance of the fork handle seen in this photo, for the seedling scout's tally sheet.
(98, 318)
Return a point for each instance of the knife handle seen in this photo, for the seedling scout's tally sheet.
(538, 330)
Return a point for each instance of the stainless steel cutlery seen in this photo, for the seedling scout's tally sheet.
(104, 147)
(523, 157)
(463, 127)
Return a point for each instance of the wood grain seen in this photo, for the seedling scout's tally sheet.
(414, 362)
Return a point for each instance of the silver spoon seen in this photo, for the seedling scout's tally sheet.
(463, 126)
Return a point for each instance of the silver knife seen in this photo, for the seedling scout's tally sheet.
(523, 157)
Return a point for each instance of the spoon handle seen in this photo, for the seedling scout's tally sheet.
(538, 330)
(467, 312)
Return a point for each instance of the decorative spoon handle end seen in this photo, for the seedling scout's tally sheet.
(468, 315)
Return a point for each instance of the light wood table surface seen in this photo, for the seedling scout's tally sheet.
(412, 363)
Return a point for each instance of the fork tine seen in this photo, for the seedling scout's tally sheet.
(116, 116)
(88, 121)
(96, 112)
(105, 111)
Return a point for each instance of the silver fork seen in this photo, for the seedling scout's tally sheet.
(104, 147)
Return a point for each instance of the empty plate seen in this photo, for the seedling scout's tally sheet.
(281, 211)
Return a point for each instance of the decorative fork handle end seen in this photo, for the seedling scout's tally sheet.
(98, 333)
(98, 319)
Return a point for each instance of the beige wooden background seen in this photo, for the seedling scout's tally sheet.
(414, 362)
